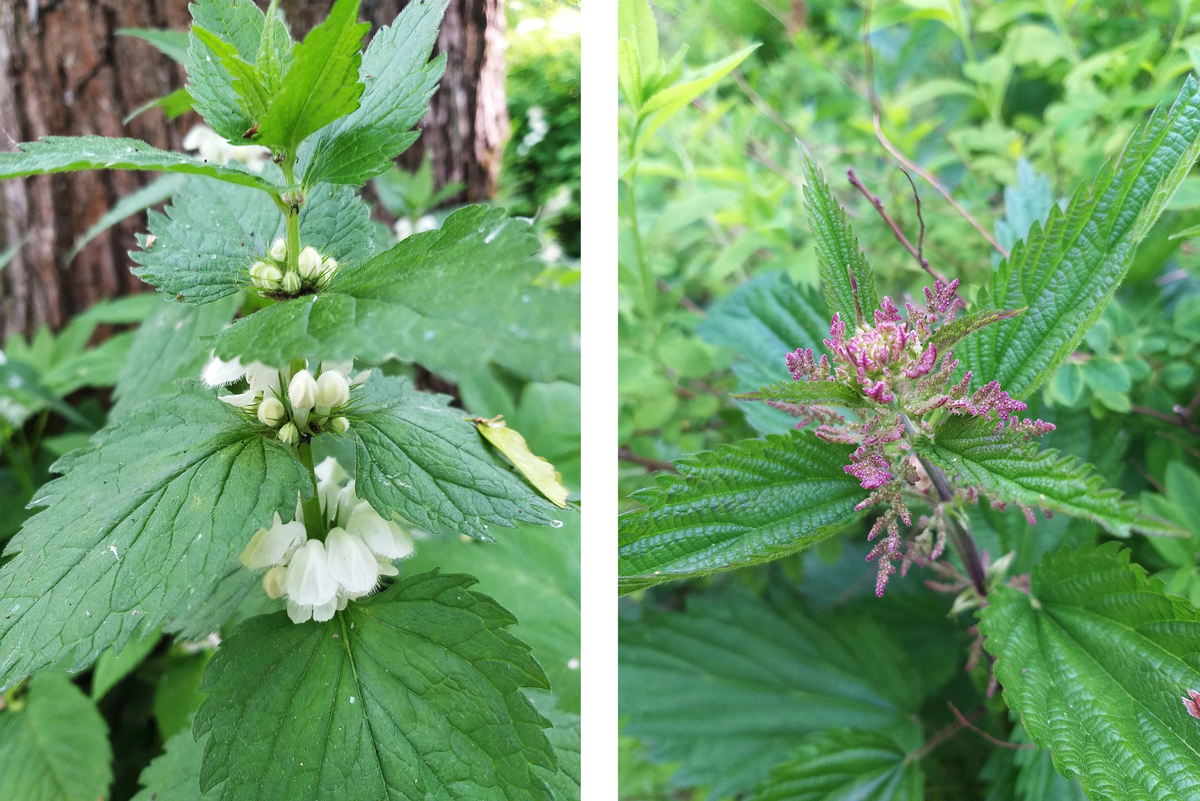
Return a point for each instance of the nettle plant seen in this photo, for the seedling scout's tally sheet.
(289, 462)
(907, 419)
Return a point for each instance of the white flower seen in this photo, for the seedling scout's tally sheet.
(331, 470)
(382, 536)
(289, 434)
(273, 582)
(218, 373)
(309, 581)
(347, 502)
(333, 390)
(300, 613)
(302, 391)
(328, 268)
(351, 562)
(262, 377)
(386, 568)
(403, 229)
(340, 425)
(426, 223)
(290, 283)
(242, 399)
(212, 147)
(274, 545)
(360, 379)
(309, 263)
(271, 412)
(344, 368)
(265, 276)
(279, 249)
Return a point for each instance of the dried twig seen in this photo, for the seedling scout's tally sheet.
(994, 741)
(896, 232)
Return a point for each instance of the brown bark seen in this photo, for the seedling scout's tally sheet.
(64, 71)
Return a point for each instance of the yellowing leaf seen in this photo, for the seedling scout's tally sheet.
(539, 471)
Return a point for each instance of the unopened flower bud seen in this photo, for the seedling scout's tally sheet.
(265, 276)
(279, 249)
(309, 263)
(290, 283)
(340, 425)
(271, 412)
(302, 391)
(273, 582)
(328, 268)
(333, 390)
(289, 434)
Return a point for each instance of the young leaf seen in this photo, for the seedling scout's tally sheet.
(539, 471)
(238, 23)
(414, 693)
(396, 303)
(274, 52)
(806, 392)
(111, 667)
(729, 687)
(175, 774)
(971, 450)
(636, 25)
(1098, 663)
(322, 83)
(252, 95)
(665, 104)
(739, 505)
(135, 527)
(56, 747)
(845, 763)
(841, 262)
(948, 335)
(419, 458)
(52, 154)
(399, 81)
(1065, 272)
(202, 248)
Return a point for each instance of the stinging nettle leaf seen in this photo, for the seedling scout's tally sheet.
(1066, 271)
(414, 693)
(739, 505)
(807, 392)
(419, 458)
(1098, 663)
(135, 527)
(845, 763)
(949, 334)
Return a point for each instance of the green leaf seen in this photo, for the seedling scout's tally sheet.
(169, 339)
(762, 321)
(56, 748)
(401, 80)
(413, 693)
(629, 74)
(136, 526)
(636, 25)
(1065, 272)
(729, 687)
(807, 392)
(274, 51)
(175, 774)
(420, 458)
(396, 304)
(173, 44)
(52, 154)
(972, 451)
(838, 253)
(322, 83)
(240, 24)
(564, 783)
(1096, 663)
(244, 78)
(667, 103)
(177, 695)
(533, 572)
(739, 505)
(151, 194)
(845, 763)
(175, 104)
(948, 335)
(112, 666)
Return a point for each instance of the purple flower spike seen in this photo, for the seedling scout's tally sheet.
(943, 296)
(800, 364)
(869, 467)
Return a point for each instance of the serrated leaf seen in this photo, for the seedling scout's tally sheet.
(1065, 272)
(413, 693)
(845, 763)
(729, 687)
(666, 103)
(1096, 664)
(739, 505)
(397, 304)
(52, 154)
(635, 24)
(838, 253)
(540, 473)
(169, 339)
(173, 44)
(236, 22)
(421, 459)
(971, 450)
(534, 573)
(564, 783)
(762, 321)
(807, 392)
(244, 78)
(400, 79)
(135, 527)
(201, 249)
(949, 334)
(175, 774)
(274, 52)
(322, 83)
(112, 666)
(56, 748)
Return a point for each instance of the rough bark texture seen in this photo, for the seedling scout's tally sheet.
(64, 71)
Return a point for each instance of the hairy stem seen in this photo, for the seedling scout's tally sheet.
(314, 521)
(956, 528)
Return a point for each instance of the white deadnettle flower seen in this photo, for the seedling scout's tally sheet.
(340, 425)
(351, 562)
(273, 582)
(328, 268)
(278, 249)
(309, 581)
(274, 545)
(311, 398)
(289, 434)
(383, 537)
(290, 283)
(333, 390)
(271, 412)
(213, 147)
(426, 223)
(309, 263)
(302, 391)
(403, 229)
(218, 373)
(265, 276)
(241, 400)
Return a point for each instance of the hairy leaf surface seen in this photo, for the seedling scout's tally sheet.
(138, 529)
(411, 694)
(807, 392)
(175, 775)
(739, 505)
(238, 23)
(1097, 663)
(845, 763)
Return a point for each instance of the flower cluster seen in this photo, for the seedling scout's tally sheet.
(311, 403)
(211, 146)
(895, 366)
(273, 275)
(320, 576)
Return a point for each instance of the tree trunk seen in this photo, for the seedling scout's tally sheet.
(64, 71)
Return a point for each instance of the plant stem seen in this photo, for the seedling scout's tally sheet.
(314, 521)
(645, 274)
(959, 532)
(292, 217)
